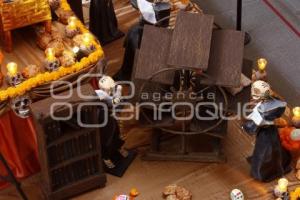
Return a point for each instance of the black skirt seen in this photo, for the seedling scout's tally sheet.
(76, 6)
(103, 21)
(269, 160)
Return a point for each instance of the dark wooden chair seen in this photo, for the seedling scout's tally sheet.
(11, 178)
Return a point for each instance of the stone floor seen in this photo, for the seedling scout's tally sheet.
(271, 38)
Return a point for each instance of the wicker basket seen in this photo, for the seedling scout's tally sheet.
(20, 13)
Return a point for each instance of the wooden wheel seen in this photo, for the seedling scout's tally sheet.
(186, 93)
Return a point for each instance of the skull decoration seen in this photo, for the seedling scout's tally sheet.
(15, 80)
(260, 90)
(109, 91)
(236, 194)
(52, 66)
(20, 106)
(107, 84)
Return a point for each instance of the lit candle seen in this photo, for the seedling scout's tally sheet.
(51, 62)
(13, 76)
(87, 39)
(296, 117)
(72, 23)
(72, 29)
(87, 45)
(12, 69)
(50, 55)
(262, 64)
(282, 185)
(261, 74)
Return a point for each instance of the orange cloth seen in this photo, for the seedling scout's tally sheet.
(286, 141)
(18, 145)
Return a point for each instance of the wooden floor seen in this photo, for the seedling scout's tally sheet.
(205, 181)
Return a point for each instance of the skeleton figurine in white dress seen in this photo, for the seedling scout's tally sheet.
(110, 93)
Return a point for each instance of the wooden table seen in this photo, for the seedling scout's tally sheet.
(15, 15)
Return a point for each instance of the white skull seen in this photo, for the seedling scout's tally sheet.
(236, 194)
(52, 66)
(260, 90)
(20, 106)
(15, 80)
(107, 84)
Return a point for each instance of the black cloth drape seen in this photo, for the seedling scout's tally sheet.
(76, 6)
(110, 137)
(269, 159)
(131, 43)
(103, 21)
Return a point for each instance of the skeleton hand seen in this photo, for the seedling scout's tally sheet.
(117, 95)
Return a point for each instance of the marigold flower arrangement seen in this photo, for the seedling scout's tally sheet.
(45, 77)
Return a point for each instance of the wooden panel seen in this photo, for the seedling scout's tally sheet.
(153, 55)
(245, 95)
(226, 57)
(191, 41)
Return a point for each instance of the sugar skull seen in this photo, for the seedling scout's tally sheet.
(15, 80)
(107, 84)
(20, 106)
(260, 90)
(52, 66)
(236, 194)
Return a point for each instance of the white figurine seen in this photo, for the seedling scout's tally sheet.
(236, 194)
(109, 91)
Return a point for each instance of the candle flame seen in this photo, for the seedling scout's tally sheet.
(50, 54)
(262, 64)
(296, 111)
(12, 68)
(87, 39)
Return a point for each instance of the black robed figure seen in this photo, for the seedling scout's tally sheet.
(269, 159)
(103, 21)
(76, 6)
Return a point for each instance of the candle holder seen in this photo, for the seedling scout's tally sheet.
(296, 117)
(51, 63)
(13, 77)
(71, 29)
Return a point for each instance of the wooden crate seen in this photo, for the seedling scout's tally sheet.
(70, 155)
(20, 13)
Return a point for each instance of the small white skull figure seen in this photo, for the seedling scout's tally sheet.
(15, 80)
(109, 91)
(236, 194)
(260, 90)
(107, 84)
(52, 66)
(20, 106)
